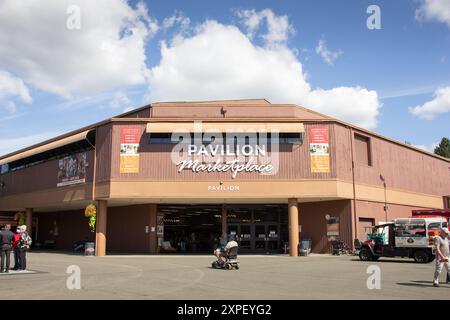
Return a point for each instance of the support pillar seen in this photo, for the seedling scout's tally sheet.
(100, 236)
(293, 227)
(29, 218)
(224, 222)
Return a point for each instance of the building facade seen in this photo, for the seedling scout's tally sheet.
(173, 177)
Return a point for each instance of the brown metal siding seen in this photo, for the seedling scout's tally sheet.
(156, 163)
(375, 210)
(126, 229)
(72, 227)
(313, 222)
(103, 149)
(405, 169)
(39, 177)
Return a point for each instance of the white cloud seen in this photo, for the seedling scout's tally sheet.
(278, 27)
(353, 104)
(434, 10)
(177, 19)
(224, 63)
(439, 104)
(12, 144)
(120, 100)
(12, 88)
(107, 52)
(327, 55)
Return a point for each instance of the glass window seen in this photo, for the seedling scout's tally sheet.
(163, 138)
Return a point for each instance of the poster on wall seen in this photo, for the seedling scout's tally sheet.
(319, 149)
(129, 144)
(72, 169)
(333, 226)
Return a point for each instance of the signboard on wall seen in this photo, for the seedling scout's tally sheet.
(129, 145)
(333, 226)
(319, 149)
(72, 169)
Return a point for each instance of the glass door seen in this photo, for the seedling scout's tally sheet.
(260, 237)
(245, 237)
(273, 240)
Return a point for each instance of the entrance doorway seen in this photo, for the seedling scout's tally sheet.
(191, 228)
(198, 228)
(258, 228)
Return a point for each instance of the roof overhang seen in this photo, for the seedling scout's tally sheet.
(46, 147)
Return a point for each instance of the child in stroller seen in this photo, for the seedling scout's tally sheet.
(229, 253)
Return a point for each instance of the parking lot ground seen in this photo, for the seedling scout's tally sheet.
(191, 277)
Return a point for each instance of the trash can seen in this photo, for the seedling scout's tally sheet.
(305, 247)
(89, 249)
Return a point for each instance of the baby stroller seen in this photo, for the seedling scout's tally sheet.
(231, 261)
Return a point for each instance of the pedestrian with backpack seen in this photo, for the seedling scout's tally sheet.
(24, 245)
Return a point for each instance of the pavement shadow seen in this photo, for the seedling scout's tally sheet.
(390, 261)
(419, 283)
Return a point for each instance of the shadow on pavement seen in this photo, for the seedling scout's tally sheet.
(419, 283)
(389, 261)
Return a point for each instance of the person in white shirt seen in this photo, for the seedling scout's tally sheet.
(220, 254)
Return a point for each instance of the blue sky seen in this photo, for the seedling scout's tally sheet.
(55, 83)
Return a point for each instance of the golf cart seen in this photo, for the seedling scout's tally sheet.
(404, 237)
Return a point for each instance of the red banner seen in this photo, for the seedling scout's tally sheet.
(130, 135)
(318, 134)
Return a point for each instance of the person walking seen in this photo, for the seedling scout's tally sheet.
(24, 245)
(442, 243)
(16, 249)
(6, 239)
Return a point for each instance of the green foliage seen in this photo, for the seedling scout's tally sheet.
(443, 149)
(92, 220)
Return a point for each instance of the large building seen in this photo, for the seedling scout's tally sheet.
(176, 176)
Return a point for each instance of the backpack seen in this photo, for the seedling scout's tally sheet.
(25, 241)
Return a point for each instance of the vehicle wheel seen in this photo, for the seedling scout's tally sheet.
(366, 255)
(228, 266)
(421, 256)
(237, 267)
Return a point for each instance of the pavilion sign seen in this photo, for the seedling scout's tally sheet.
(226, 152)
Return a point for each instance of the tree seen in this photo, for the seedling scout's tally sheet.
(443, 149)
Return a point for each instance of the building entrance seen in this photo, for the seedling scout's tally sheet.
(258, 229)
(198, 228)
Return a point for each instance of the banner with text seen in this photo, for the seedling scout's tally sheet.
(72, 169)
(319, 149)
(129, 145)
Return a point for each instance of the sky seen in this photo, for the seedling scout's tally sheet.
(65, 64)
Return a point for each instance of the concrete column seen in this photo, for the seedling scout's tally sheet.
(29, 219)
(100, 236)
(224, 222)
(293, 227)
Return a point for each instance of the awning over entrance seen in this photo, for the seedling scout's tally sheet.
(46, 147)
(222, 126)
